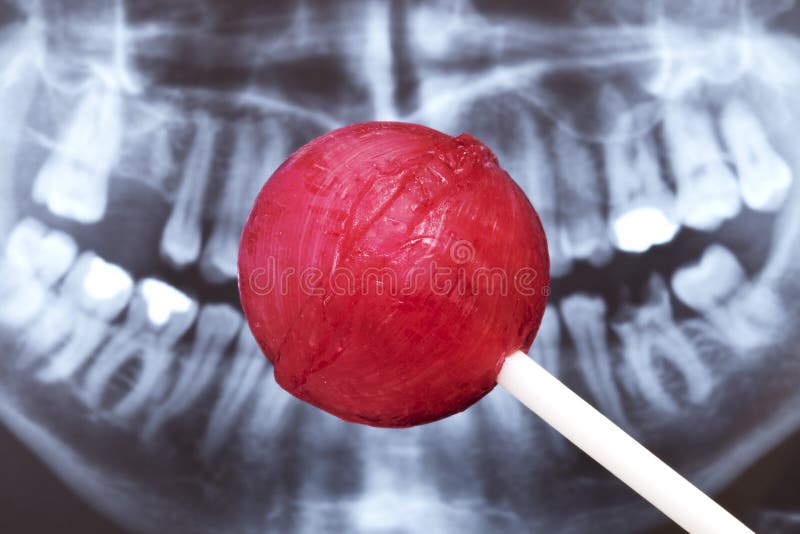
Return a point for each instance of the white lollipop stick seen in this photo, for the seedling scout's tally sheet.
(615, 450)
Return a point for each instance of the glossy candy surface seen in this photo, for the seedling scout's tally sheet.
(387, 269)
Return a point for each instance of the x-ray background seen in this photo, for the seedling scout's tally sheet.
(657, 140)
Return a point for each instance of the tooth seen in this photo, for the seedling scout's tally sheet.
(709, 282)
(707, 190)
(18, 85)
(378, 65)
(154, 344)
(95, 292)
(161, 158)
(582, 224)
(641, 206)
(148, 150)
(393, 464)
(649, 333)
(248, 171)
(44, 254)
(532, 164)
(271, 406)
(585, 319)
(22, 245)
(22, 301)
(246, 370)
(53, 324)
(764, 177)
(505, 412)
(99, 286)
(35, 259)
(180, 243)
(747, 315)
(91, 284)
(156, 319)
(93, 328)
(216, 328)
(73, 183)
(547, 345)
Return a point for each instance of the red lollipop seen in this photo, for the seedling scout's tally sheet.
(394, 274)
(387, 270)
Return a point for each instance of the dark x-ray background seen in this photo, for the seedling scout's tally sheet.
(136, 132)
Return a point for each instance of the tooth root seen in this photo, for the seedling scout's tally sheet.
(149, 142)
(711, 281)
(66, 361)
(18, 86)
(180, 243)
(377, 66)
(156, 357)
(641, 206)
(708, 193)
(547, 345)
(248, 172)
(124, 345)
(92, 316)
(73, 183)
(271, 405)
(248, 366)
(146, 336)
(585, 318)
(54, 324)
(538, 179)
(109, 361)
(161, 159)
(649, 333)
(391, 464)
(582, 225)
(764, 177)
(216, 328)
(155, 361)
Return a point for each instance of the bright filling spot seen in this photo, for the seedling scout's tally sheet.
(105, 280)
(163, 301)
(639, 229)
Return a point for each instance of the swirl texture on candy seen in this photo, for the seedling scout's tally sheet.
(387, 269)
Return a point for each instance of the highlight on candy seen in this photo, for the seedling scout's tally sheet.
(457, 279)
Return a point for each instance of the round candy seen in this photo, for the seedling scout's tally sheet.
(387, 269)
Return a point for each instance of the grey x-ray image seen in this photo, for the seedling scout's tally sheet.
(657, 139)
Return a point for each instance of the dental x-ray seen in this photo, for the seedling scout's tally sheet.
(657, 139)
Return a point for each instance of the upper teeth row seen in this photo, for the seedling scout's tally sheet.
(592, 197)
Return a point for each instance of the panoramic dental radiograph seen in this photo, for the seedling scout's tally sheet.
(656, 140)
